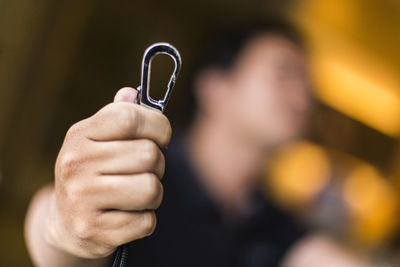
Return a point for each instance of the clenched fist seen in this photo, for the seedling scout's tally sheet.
(107, 179)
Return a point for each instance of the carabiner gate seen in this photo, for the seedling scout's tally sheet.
(151, 52)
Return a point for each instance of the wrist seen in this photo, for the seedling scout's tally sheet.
(51, 233)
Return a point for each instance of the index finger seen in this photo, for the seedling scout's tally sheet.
(125, 121)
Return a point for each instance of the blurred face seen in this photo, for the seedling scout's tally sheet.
(267, 98)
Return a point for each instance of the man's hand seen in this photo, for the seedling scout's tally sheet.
(107, 179)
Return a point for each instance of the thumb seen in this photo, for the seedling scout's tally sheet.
(126, 94)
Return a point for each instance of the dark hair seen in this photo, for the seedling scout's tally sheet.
(222, 47)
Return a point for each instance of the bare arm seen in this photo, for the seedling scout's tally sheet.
(320, 251)
(107, 186)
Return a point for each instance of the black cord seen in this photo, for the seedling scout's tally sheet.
(121, 256)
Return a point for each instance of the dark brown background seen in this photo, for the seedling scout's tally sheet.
(60, 61)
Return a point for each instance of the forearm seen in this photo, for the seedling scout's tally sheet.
(42, 252)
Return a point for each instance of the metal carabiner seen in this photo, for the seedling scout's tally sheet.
(143, 90)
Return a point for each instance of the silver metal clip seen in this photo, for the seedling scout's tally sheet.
(151, 52)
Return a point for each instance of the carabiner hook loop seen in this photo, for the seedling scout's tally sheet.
(151, 52)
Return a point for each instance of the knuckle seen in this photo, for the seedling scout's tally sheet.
(67, 162)
(149, 222)
(73, 130)
(127, 118)
(76, 195)
(150, 153)
(154, 191)
(162, 165)
(110, 244)
(167, 133)
(83, 229)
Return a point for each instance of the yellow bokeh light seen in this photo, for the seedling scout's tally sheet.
(349, 75)
(372, 204)
(346, 88)
(299, 173)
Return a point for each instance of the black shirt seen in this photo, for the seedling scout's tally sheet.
(191, 231)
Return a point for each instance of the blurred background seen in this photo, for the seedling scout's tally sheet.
(61, 61)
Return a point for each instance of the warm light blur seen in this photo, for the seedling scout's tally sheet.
(368, 96)
(373, 204)
(347, 37)
(302, 171)
(299, 174)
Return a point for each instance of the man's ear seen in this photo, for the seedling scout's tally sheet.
(211, 88)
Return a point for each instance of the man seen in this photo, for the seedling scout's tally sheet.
(253, 95)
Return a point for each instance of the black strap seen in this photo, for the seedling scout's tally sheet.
(121, 256)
